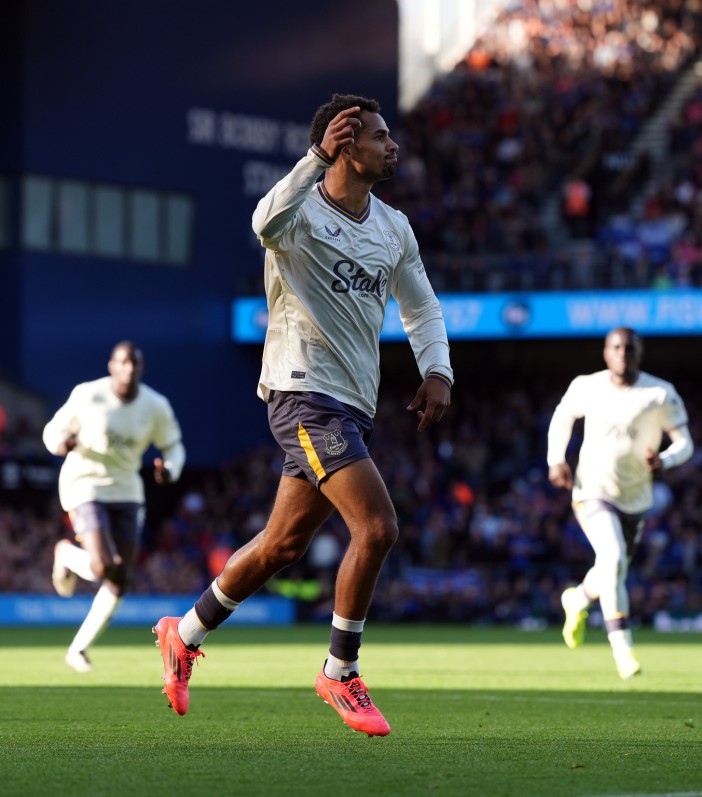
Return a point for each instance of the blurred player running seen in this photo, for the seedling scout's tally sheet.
(626, 412)
(103, 431)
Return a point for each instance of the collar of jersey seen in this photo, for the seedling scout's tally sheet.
(340, 208)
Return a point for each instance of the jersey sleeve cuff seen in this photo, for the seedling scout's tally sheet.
(441, 377)
(320, 156)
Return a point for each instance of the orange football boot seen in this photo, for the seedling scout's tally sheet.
(177, 662)
(351, 699)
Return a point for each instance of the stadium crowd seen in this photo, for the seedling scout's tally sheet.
(661, 246)
(484, 537)
(541, 114)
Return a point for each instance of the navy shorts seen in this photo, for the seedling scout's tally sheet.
(317, 433)
(121, 521)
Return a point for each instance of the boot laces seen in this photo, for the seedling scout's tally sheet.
(188, 658)
(358, 691)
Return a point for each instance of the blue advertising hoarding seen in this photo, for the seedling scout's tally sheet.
(526, 315)
(142, 610)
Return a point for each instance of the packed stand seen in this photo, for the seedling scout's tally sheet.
(659, 245)
(546, 103)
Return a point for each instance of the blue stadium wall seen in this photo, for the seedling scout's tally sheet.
(108, 92)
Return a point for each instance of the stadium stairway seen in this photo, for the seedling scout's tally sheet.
(653, 138)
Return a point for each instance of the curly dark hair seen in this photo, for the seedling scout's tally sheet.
(339, 102)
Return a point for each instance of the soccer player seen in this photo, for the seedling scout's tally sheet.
(334, 255)
(103, 431)
(626, 412)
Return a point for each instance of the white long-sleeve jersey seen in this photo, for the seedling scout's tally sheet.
(328, 277)
(620, 424)
(112, 438)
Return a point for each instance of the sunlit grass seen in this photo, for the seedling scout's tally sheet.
(474, 712)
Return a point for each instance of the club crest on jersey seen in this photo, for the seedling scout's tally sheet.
(332, 235)
(334, 443)
(392, 240)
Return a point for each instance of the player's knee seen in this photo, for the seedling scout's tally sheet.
(120, 590)
(382, 534)
(620, 561)
(611, 568)
(282, 554)
(100, 569)
(287, 555)
(118, 575)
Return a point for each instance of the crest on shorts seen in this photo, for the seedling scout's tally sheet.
(334, 443)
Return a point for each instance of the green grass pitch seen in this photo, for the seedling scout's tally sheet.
(474, 713)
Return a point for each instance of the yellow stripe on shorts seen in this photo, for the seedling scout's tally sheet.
(311, 454)
(72, 517)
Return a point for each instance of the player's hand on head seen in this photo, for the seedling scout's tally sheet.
(341, 132)
(430, 402)
(161, 473)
